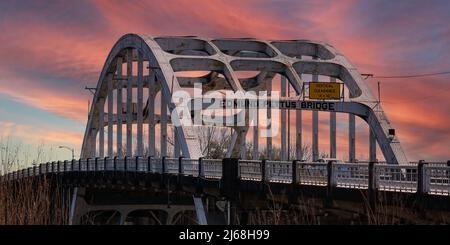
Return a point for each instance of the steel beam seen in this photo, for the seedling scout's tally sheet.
(110, 116)
(151, 113)
(333, 129)
(129, 103)
(119, 109)
(372, 146)
(101, 131)
(163, 124)
(283, 122)
(315, 128)
(140, 99)
(351, 138)
(298, 133)
(269, 123)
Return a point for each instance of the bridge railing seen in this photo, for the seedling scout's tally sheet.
(312, 173)
(250, 169)
(437, 180)
(424, 178)
(190, 166)
(211, 168)
(351, 175)
(171, 165)
(278, 171)
(396, 178)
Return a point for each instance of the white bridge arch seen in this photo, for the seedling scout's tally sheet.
(162, 57)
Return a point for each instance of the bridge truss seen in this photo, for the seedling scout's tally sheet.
(158, 65)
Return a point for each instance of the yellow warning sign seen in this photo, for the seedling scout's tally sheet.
(324, 91)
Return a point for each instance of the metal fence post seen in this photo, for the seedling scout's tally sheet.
(263, 171)
(199, 188)
(372, 189)
(421, 178)
(149, 164)
(96, 164)
(421, 186)
(293, 194)
(137, 164)
(330, 185)
(230, 184)
(180, 172)
(163, 165)
(230, 178)
(163, 172)
(263, 180)
(88, 165)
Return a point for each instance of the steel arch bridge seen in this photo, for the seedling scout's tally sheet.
(156, 64)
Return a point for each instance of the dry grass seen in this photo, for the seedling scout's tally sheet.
(33, 201)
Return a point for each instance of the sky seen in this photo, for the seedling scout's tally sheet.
(51, 50)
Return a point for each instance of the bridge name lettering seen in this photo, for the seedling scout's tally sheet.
(303, 105)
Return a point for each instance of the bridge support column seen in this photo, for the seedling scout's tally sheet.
(315, 128)
(119, 110)
(129, 102)
(298, 133)
(372, 188)
(333, 129)
(372, 146)
(163, 124)
(351, 137)
(331, 184)
(110, 115)
(283, 121)
(422, 188)
(101, 128)
(151, 112)
(140, 98)
(255, 136)
(269, 122)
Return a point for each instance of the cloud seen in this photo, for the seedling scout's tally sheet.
(51, 51)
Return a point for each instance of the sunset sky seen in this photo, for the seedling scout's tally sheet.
(51, 50)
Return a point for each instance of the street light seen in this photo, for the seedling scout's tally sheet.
(68, 148)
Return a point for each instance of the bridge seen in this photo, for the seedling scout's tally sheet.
(180, 85)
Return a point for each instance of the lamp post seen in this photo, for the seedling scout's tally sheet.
(68, 148)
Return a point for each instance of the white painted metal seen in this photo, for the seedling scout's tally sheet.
(140, 99)
(333, 148)
(372, 147)
(129, 138)
(298, 132)
(315, 128)
(351, 138)
(255, 138)
(269, 123)
(110, 115)
(200, 211)
(119, 109)
(101, 133)
(163, 129)
(165, 56)
(283, 122)
(151, 114)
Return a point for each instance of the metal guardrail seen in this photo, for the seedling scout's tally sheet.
(433, 179)
(211, 168)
